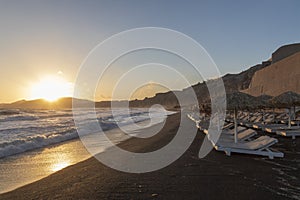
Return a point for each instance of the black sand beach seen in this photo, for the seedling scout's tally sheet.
(217, 176)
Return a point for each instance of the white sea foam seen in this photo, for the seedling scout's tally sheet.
(21, 131)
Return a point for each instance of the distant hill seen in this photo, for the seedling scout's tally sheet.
(232, 82)
(63, 103)
(277, 75)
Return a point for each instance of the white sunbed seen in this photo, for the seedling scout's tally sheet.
(273, 128)
(228, 135)
(228, 126)
(259, 146)
(252, 121)
(269, 119)
(289, 133)
(242, 135)
(258, 126)
(295, 122)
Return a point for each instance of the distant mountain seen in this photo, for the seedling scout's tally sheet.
(63, 103)
(232, 82)
(279, 74)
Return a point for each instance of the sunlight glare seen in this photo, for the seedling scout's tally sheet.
(59, 166)
(51, 88)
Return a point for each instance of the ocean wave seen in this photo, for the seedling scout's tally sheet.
(9, 112)
(19, 118)
(30, 143)
(24, 131)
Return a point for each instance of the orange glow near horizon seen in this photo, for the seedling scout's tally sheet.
(51, 88)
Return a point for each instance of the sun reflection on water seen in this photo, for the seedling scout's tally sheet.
(60, 165)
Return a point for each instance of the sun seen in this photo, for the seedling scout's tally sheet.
(51, 88)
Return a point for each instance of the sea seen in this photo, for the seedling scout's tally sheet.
(37, 143)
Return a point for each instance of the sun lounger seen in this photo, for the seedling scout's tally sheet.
(259, 146)
(242, 135)
(289, 133)
(228, 126)
(258, 126)
(279, 127)
(228, 135)
(295, 122)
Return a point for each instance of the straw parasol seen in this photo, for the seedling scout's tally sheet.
(264, 102)
(240, 101)
(235, 101)
(286, 100)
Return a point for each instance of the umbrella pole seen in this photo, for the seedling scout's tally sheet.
(248, 117)
(273, 117)
(289, 118)
(235, 126)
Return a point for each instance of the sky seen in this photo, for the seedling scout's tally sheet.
(52, 38)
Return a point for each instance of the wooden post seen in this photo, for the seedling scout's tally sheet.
(235, 126)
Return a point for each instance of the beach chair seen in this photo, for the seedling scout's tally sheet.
(243, 135)
(289, 133)
(228, 135)
(273, 128)
(259, 146)
(228, 126)
(296, 122)
(266, 119)
(239, 129)
(254, 121)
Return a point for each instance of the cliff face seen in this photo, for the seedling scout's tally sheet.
(284, 52)
(277, 78)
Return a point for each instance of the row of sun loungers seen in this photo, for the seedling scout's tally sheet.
(248, 142)
(277, 124)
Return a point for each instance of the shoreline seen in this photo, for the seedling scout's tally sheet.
(214, 177)
(30, 158)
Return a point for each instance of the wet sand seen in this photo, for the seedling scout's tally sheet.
(217, 176)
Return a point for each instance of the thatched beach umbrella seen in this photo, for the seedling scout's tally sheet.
(240, 101)
(235, 101)
(286, 100)
(264, 102)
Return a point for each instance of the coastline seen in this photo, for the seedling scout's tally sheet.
(33, 165)
(214, 177)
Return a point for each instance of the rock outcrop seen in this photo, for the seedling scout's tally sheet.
(285, 51)
(282, 76)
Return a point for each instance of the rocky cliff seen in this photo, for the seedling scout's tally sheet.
(284, 52)
(282, 76)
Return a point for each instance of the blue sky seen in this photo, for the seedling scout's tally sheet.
(44, 37)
